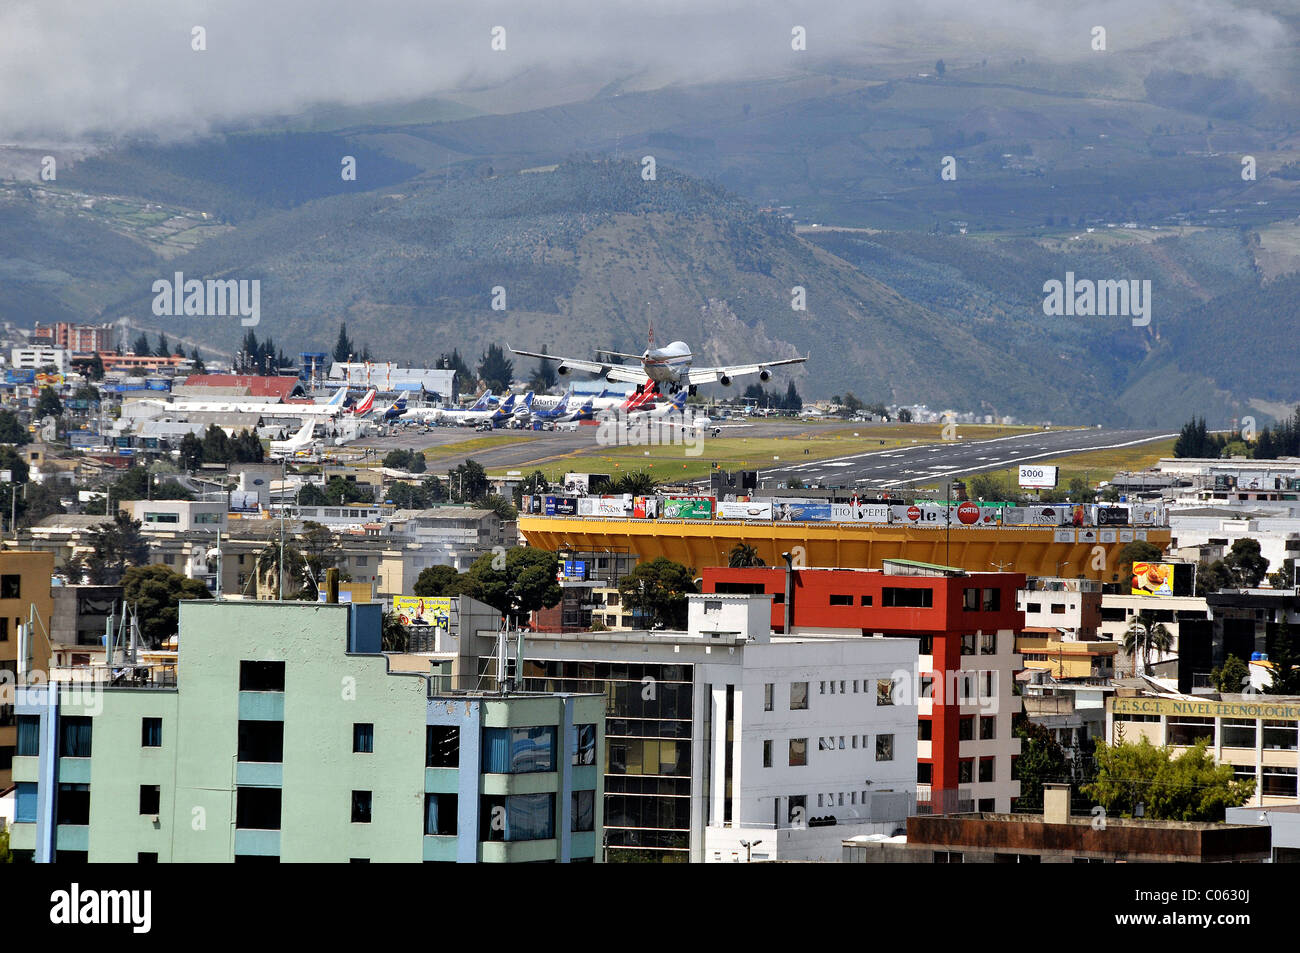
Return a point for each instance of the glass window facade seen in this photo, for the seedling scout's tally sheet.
(29, 736)
(648, 716)
(442, 746)
(519, 750)
(74, 737)
(517, 817)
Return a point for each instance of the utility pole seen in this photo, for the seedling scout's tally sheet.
(284, 469)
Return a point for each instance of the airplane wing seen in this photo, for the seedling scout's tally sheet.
(710, 375)
(613, 372)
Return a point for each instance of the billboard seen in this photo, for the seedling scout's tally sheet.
(421, 611)
(1038, 515)
(1112, 516)
(860, 512)
(752, 510)
(688, 508)
(1147, 514)
(1032, 476)
(1153, 579)
(574, 569)
(244, 501)
(645, 507)
(801, 511)
(924, 514)
(560, 506)
(613, 505)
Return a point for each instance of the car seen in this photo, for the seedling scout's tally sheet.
(483, 426)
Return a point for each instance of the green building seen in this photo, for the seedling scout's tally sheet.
(287, 738)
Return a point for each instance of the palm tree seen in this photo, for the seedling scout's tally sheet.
(1145, 633)
(743, 555)
(297, 576)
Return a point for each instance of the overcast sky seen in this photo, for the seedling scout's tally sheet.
(69, 68)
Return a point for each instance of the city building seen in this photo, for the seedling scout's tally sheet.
(966, 625)
(724, 735)
(77, 338)
(1256, 734)
(1059, 838)
(1283, 823)
(289, 738)
(34, 358)
(26, 607)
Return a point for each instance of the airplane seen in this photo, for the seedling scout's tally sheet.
(477, 415)
(668, 408)
(271, 408)
(365, 405)
(669, 365)
(561, 414)
(395, 409)
(433, 414)
(302, 440)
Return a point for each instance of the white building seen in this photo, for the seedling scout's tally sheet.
(34, 358)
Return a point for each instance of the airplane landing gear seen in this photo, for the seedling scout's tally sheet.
(691, 390)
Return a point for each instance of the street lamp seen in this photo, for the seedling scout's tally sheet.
(749, 847)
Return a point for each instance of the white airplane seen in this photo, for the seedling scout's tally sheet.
(268, 406)
(302, 441)
(477, 415)
(670, 365)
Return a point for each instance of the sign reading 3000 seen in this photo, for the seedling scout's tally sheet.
(1038, 476)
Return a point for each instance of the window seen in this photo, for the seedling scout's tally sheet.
(363, 738)
(517, 817)
(1058, 608)
(966, 728)
(767, 753)
(257, 809)
(72, 805)
(25, 802)
(821, 686)
(968, 645)
(1280, 735)
(584, 744)
(1279, 781)
(988, 728)
(1186, 730)
(970, 600)
(798, 696)
(992, 600)
(363, 560)
(4, 629)
(201, 519)
(965, 771)
(798, 752)
(440, 814)
(150, 798)
(841, 600)
(583, 811)
(11, 586)
(768, 691)
(442, 746)
(261, 676)
(924, 772)
(927, 686)
(796, 813)
(989, 642)
(1238, 733)
(150, 732)
(361, 807)
(884, 747)
(29, 736)
(261, 741)
(1038, 607)
(866, 600)
(897, 597)
(926, 646)
(162, 517)
(924, 729)
(947, 857)
(884, 691)
(146, 857)
(74, 737)
(518, 750)
(986, 769)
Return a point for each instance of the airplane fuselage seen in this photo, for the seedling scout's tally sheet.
(669, 364)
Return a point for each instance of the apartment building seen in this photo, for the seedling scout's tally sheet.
(24, 598)
(724, 736)
(290, 739)
(965, 624)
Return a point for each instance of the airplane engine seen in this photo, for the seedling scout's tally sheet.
(724, 380)
(562, 370)
(764, 375)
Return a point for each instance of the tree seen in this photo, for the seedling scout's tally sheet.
(939, 67)
(191, 452)
(544, 377)
(320, 549)
(658, 589)
(1232, 678)
(141, 348)
(36, 502)
(1245, 563)
(1286, 671)
(116, 546)
(311, 494)
(437, 581)
(199, 366)
(525, 584)
(1042, 760)
(163, 349)
(343, 348)
(1188, 787)
(298, 580)
(48, 404)
(744, 555)
(904, 416)
(1284, 578)
(1212, 577)
(11, 431)
(503, 508)
(639, 483)
(340, 492)
(156, 592)
(1143, 634)
(495, 369)
(393, 635)
(95, 368)
(792, 399)
(216, 445)
(464, 376)
(1138, 551)
(87, 392)
(468, 481)
(15, 464)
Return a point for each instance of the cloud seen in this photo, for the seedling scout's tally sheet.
(69, 69)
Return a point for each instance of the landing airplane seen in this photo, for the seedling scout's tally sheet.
(670, 365)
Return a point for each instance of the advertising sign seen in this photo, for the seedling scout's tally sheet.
(688, 508)
(613, 505)
(925, 514)
(1153, 579)
(800, 511)
(968, 513)
(244, 501)
(860, 512)
(645, 507)
(586, 506)
(1041, 477)
(1146, 514)
(753, 510)
(575, 569)
(561, 506)
(420, 611)
(1112, 516)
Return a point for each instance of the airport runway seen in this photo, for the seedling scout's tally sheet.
(894, 467)
(923, 464)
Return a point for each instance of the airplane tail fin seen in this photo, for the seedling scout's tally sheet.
(337, 399)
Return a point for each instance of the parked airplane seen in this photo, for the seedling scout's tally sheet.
(365, 405)
(477, 415)
(395, 409)
(669, 365)
(435, 414)
(302, 441)
(268, 406)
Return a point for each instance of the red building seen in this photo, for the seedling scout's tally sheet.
(965, 740)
